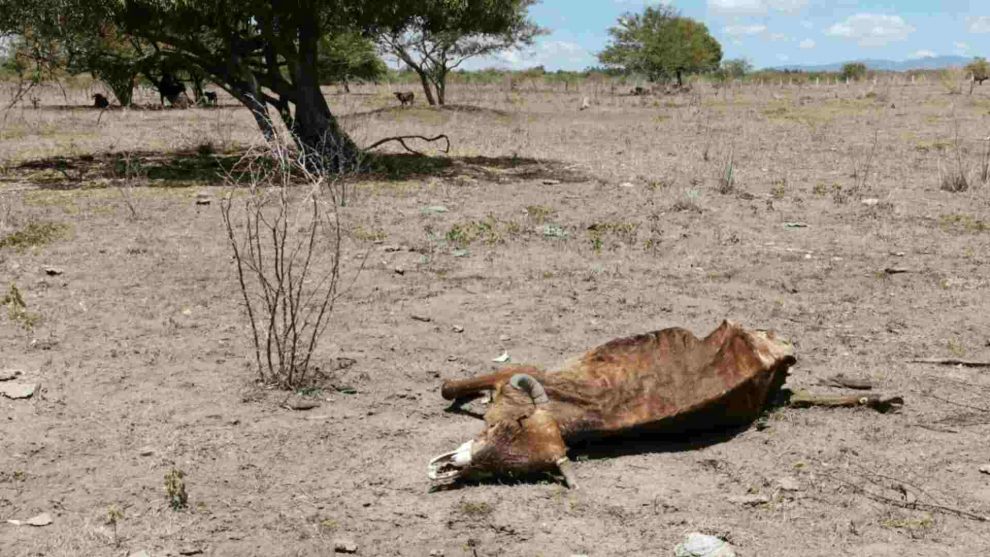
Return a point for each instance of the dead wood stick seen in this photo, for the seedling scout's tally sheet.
(914, 505)
(401, 139)
(949, 362)
(804, 399)
(840, 380)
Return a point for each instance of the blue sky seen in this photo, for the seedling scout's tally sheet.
(770, 32)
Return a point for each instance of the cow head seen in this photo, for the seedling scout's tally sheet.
(522, 438)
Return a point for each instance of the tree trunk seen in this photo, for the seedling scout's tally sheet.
(325, 145)
(423, 79)
(680, 80)
(123, 90)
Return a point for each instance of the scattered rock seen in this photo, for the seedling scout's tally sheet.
(795, 225)
(840, 380)
(896, 270)
(141, 553)
(553, 231)
(52, 271)
(191, 550)
(203, 198)
(18, 390)
(434, 210)
(504, 338)
(789, 483)
(9, 374)
(344, 546)
(302, 403)
(436, 553)
(393, 248)
(43, 519)
(504, 358)
(550, 182)
(146, 451)
(985, 469)
(627, 185)
(423, 318)
(870, 202)
(457, 329)
(750, 500)
(702, 545)
(461, 253)
(399, 271)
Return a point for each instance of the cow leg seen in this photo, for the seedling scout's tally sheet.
(464, 388)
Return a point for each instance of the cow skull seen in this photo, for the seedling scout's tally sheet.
(524, 442)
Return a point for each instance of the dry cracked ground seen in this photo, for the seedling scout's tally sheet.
(563, 229)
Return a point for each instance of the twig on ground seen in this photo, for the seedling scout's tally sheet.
(913, 505)
(949, 362)
(401, 139)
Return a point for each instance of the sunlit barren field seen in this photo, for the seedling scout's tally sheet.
(824, 213)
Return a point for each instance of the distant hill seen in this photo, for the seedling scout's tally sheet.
(932, 63)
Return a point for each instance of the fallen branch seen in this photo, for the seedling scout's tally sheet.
(912, 505)
(804, 399)
(840, 380)
(949, 362)
(401, 139)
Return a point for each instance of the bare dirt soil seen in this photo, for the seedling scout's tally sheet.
(577, 227)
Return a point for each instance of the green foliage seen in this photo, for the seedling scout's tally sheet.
(33, 235)
(661, 44)
(349, 56)
(979, 68)
(853, 70)
(736, 68)
(449, 33)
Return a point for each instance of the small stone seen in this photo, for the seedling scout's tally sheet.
(423, 318)
(43, 519)
(52, 271)
(702, 545)
(750, 500)
(436, 553)
(788, 483)
(985, 469)
(504, 338)
(457, 329)
(9, 374)
(434, 210)
(550, 182)
(203, 198)
(870, 202)
(399, 271)
(18, 390)
(302, 403)
(190, 550)
(345, 546)
(460, 253)
(141, 553)
(627, 185)
(146, 451)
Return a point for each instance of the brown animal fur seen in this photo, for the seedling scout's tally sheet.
(668, 381)
(405, 97)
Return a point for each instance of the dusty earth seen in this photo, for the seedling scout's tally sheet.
(578, 227)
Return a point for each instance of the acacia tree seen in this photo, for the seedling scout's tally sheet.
(265, 53)
(979, 68)
(661, 44)
(438, 41)
(349, 56)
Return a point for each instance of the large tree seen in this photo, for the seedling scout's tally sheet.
(265, 53)
(349, 56)
(437, 41)
(661, 44)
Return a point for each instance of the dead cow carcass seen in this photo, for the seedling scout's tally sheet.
(667, 381)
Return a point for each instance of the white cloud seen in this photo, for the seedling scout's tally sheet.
(980, 24)
(557, 54)
(737, 31)
(783, 57)
(807, 44)
(778, 37)
(961, 48)
(872, 29)
(924, 54)
(754, 7)
(807, 24)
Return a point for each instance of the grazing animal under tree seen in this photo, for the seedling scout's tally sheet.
(405, 97)
(100, 101)
(664, 382)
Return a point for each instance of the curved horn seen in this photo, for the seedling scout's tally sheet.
(564, 466)
(530, 386)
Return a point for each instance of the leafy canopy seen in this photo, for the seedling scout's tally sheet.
(660, 44)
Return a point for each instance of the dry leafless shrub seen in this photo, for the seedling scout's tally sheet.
(284, 228)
